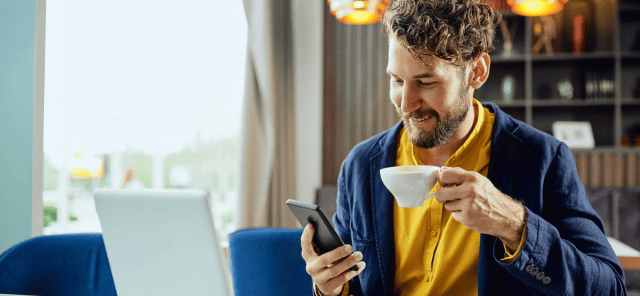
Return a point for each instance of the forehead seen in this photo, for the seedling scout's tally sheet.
(403, 62)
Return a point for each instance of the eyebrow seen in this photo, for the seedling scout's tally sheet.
(422, 75)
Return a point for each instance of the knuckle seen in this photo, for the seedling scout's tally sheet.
(309, 269)
(472, 177)
(347, 276)
(333, 272)
(324, 261)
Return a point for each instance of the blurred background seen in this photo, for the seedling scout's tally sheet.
(133, 102)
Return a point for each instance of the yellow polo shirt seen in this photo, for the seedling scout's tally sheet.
(435, 254)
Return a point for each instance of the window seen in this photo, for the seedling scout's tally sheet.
(143, 94)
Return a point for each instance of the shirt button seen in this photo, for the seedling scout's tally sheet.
(434, 233)
(546, 280)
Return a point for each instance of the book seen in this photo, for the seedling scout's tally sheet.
(607, 170)
(618, 170)
(595, 169)
(582, 165)
(632, 171)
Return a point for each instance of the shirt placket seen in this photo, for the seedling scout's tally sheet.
(433, 236)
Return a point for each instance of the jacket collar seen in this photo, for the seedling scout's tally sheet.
(382, 207)
(502, 167)
(503, 164)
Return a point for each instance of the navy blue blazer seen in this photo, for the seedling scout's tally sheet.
(566, 251)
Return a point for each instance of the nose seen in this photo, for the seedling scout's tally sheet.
(410, 101)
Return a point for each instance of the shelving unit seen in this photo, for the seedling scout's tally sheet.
(611, 54)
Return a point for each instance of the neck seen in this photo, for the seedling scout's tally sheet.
(439, 155)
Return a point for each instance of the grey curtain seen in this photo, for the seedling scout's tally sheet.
(268, 171)
(361, 107)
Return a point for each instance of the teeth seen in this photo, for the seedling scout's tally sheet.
(420, 120)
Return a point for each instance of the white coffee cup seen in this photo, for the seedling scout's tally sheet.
(410, 185)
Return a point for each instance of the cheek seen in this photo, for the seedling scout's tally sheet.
(396, 97)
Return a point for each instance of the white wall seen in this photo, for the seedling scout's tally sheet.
(308, 17)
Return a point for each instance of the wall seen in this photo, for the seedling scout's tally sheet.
(20, 99)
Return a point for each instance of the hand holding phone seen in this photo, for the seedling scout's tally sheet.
(333, 264)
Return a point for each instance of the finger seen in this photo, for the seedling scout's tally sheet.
(337, 282)
(447, 194)
(454, 205)
(451, 176)
(331, 257)
(344, 264)
(306, 241)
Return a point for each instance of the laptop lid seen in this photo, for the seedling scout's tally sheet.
(162, 242)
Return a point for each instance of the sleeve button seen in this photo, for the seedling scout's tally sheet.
(540, 276)
(533, 271)
(529, 268)
(546, 280)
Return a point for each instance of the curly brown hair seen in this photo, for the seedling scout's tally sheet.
(453, 30)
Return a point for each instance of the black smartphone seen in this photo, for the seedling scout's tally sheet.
(325, 237)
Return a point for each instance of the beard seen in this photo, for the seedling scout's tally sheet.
(444, 128)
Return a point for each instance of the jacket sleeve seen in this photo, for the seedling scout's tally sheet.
(566, 251)
(342, 222)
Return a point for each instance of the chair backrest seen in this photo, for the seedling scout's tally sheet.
(52, 265)
(268, 261)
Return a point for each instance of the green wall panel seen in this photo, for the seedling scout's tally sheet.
(17, 61)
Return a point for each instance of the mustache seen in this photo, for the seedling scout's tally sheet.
(422, 113)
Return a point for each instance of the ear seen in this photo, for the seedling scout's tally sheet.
(480, 70)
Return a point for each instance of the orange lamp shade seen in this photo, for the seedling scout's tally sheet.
(358, 12)
(536, 7)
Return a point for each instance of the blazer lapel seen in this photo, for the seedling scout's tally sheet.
(502, 169)
(382, 209)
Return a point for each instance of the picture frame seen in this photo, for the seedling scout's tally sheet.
(576, 134)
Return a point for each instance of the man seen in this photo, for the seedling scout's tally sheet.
(510, 216)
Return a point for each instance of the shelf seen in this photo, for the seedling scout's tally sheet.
(607, 149)
(572, 103)
(508, 59)
(574, 56)
(630, 102)
(513, 104)
(630, 54)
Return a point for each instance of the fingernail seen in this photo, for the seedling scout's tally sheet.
(361, 265)
(358, 256)
(348, 249)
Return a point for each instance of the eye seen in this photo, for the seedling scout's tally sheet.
(426, 83)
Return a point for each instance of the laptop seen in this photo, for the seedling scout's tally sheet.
(162, 242)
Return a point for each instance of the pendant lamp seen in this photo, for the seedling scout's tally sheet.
(536, 7)
(358, 12)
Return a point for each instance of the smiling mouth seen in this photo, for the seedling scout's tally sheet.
(419, 120)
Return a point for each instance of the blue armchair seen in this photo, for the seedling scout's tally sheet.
(57, 265)
(268, 261)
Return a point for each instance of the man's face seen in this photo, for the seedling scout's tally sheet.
(431, 98)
